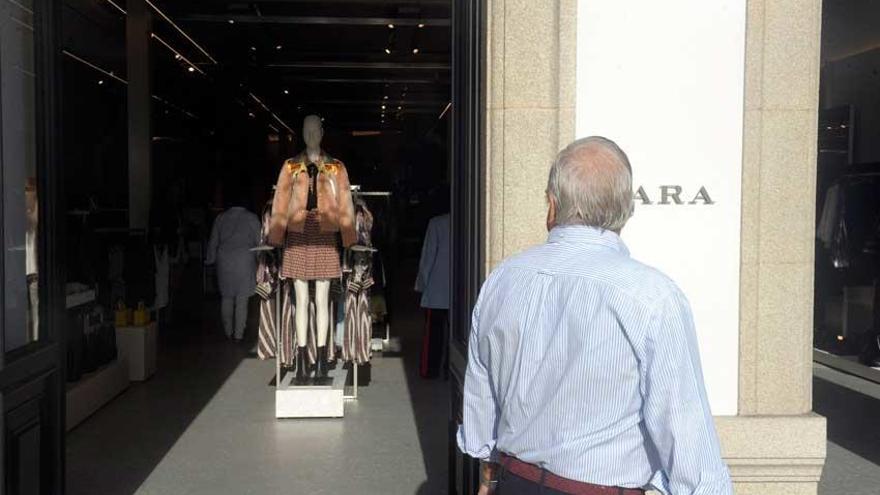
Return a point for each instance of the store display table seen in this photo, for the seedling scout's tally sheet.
(138, 345)
(311, 401)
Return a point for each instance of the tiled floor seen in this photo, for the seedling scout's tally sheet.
(205, 425)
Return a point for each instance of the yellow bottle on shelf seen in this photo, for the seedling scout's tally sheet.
(141, 315)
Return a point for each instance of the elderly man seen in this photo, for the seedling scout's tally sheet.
(583, 375)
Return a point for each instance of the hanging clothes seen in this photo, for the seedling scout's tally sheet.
(358, 318)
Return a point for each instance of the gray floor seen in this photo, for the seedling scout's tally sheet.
(205, 425)
(852, 408)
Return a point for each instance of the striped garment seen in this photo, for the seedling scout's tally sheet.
(585, 362)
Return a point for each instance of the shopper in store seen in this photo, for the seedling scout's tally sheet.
(433, 282)
(583, 372)
(236, 231)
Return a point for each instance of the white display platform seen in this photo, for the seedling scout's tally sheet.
(94, 390)
(311, 401)
(138, 345)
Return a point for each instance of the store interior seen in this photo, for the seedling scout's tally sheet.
(229, 85)
(847, 256)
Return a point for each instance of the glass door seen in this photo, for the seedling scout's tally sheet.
(31, 381)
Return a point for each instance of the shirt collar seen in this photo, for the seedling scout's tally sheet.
(583, 234)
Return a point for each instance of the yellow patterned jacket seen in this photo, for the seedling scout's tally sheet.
(335, 209)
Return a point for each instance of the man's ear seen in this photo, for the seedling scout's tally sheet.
(551, 212)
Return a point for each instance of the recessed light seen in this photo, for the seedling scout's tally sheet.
(391, 26)
(177, 57)
(251, 114)
(415, 51)
(277, 47)
(385, 97)
(383, 107)
(400, 108)
(421, 25)
(287, 92)
(253, 48)
(100, 82)
(231, 21)
(388, 51)
(191, 69)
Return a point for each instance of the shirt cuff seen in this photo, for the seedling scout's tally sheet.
(485, 451)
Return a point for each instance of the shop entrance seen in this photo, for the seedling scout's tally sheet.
(173, 113)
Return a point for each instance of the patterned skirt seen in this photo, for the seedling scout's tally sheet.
(311, 254)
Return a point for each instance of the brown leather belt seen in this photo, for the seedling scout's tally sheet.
(536, 474)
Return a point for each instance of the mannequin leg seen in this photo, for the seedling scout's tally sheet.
(301, 287)
(301, 322)
(322, 310)
(322, 322)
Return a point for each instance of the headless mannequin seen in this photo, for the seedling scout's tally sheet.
(313, 132)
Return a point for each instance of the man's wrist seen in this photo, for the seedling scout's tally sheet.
(488, 473)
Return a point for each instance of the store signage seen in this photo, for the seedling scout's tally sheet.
(673, 195)
(665, 81)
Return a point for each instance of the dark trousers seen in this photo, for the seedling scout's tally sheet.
(434, 343)
(511, 484)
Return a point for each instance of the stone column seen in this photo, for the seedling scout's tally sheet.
(137, 34)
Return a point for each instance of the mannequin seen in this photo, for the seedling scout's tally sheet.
(312, 203)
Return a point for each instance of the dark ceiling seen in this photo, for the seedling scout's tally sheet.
(328, 57)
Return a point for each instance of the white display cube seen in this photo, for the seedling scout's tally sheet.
(311, 401)
(138, 345)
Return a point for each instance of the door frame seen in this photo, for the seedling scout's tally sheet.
(32, 381)
(468, 166)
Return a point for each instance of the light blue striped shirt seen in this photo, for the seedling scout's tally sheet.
(585, 362)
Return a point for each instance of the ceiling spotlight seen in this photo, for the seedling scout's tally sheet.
(100, 82)
(391, 26)
(415, 51)
(231, 21)
(277, 47)
(400, 108)
(287, 92)
(421, 25)
(191, 69)
(385, 97)
(388, 51)
(383, 107)
(253, 48)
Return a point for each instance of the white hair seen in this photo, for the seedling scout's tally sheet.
(591, 183)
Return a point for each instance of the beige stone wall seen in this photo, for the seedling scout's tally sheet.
(775, 445)
(531, 50)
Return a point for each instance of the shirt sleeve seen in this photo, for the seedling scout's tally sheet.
(676, 409)
(429, 252)
(478, 431)
(214, 241)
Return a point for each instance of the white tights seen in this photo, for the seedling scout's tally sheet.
(322, 311)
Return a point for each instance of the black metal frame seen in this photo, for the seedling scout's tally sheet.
(468, 211)
(32, 377)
